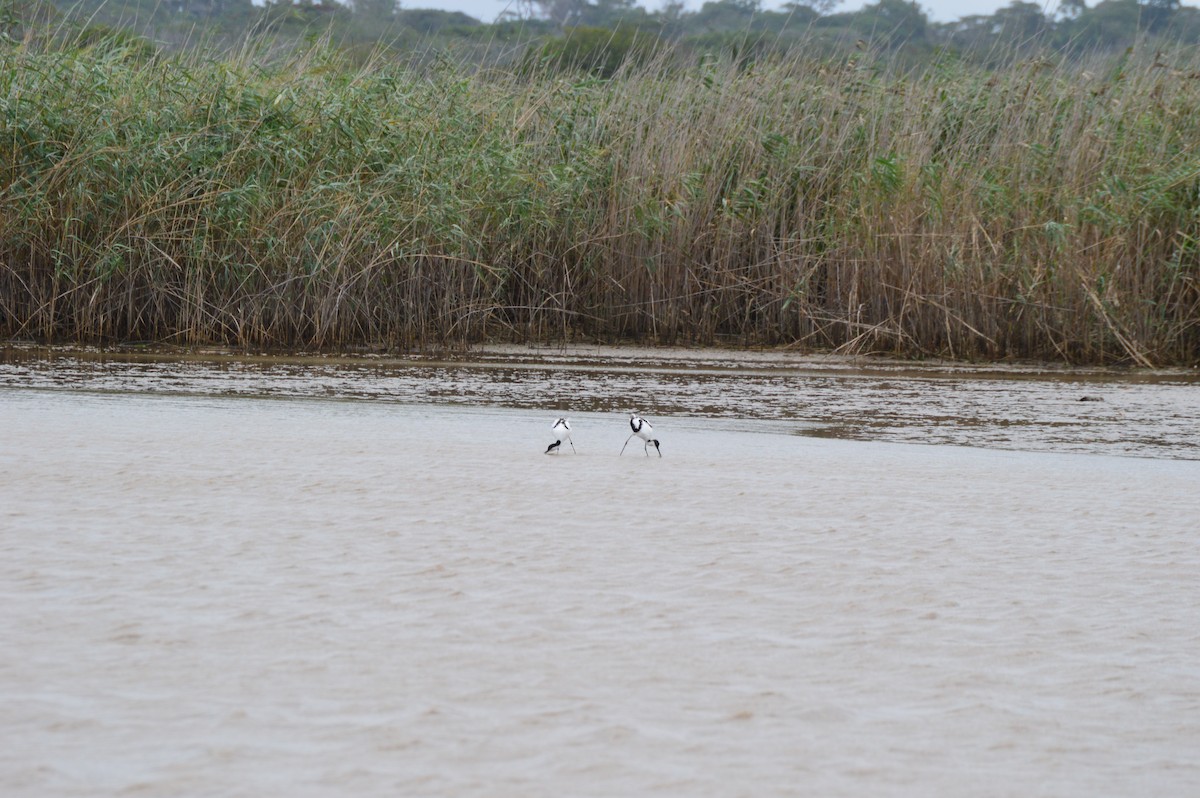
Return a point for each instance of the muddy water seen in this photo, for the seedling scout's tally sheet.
(1145, 414)
(228, 577)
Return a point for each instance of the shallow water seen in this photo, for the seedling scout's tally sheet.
(218, 581)
(1138, 413)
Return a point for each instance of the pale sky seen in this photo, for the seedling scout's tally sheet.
(936, 10)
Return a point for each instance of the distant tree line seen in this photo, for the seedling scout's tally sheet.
(599, 34)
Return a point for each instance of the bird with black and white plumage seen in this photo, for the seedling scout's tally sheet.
(642, 429)
(562, 431)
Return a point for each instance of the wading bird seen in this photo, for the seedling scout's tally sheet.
(642, 429)
(561, 429)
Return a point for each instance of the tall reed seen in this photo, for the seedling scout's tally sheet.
(1047, 211)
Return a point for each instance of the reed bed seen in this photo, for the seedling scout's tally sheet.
(1048, 211)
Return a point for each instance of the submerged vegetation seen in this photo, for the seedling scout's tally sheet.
(1045, 210)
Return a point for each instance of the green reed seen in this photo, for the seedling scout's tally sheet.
(1047, 211)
